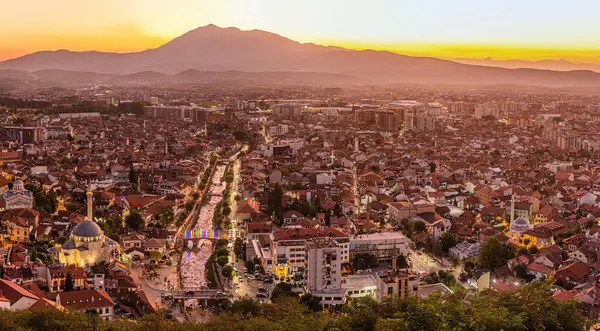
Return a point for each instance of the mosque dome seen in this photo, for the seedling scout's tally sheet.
(87, 229)
(520, 225)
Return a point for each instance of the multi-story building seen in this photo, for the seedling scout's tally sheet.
(379, 244)
(22, 134)
(289, 248)
(396, 282)
(191, 113)
(486, 109)
(323, 274)
(276, 130)
(287, 110)
(56, 277)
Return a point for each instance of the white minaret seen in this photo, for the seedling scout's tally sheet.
(512, 208)
(166, 147)
(90, 214)
(355, 144)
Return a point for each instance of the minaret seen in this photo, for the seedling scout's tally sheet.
(512, 208)
(355, 144)
(166, 147)
(90, 214)
(394, 258)
(139, 186)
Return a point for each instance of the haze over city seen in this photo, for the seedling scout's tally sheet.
(299, 165)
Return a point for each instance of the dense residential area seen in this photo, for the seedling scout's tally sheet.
(355, 210)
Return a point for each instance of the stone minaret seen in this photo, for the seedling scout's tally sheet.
(394, 258)
(90, 213)
(512, 209)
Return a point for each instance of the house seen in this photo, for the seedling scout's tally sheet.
(398, 211)
(574, 273)
(247, 209)
(19, 230)
(18, 297)
(154, 245)
(88, 300)
(131, 240)
(56, 277)
(584, 255)
(539, 271)
(291, 216)
(439, 227)
(256, 229)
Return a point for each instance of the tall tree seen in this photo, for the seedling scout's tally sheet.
(69, 283)
(494, 254)
(134, 220)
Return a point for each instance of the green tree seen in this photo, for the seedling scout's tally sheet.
(274, 200)
(251, 266)
(362, 314)
(365, 261)
(239, 248)
(228, 272)
(494, 254)
(69, 283)
(282, 290)
(134, 220)
(312, 302)
(419, 227)
(245, 307)
(222, 260)
(133, 176)
(165, 217)
(447, 241)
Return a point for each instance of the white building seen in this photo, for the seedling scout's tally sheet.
(18, 197)
(379, 244)
(323, 273)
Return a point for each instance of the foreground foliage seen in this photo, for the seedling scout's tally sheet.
(531, 309)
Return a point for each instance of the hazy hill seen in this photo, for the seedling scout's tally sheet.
(560, 65)
(227, 50)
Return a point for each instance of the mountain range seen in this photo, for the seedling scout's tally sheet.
(213, 53)
(559, 65)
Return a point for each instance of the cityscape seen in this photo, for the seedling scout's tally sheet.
(236, 179)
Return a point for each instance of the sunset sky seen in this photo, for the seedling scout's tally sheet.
(502, 29)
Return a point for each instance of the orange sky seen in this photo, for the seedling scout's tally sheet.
(508, 29)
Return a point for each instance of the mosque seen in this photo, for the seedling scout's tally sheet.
(87, 244)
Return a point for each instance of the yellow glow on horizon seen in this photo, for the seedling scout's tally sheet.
(496, 52)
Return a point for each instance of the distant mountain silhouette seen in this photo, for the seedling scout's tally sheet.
(232, 52)
(560, 64)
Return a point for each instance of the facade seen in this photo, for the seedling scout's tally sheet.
(18, 298)
(87, 300)
(56, 277)
(323, 273)
(193, 114)
(397, 283)
(22, 134)
(379, 244)
(18, 197)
